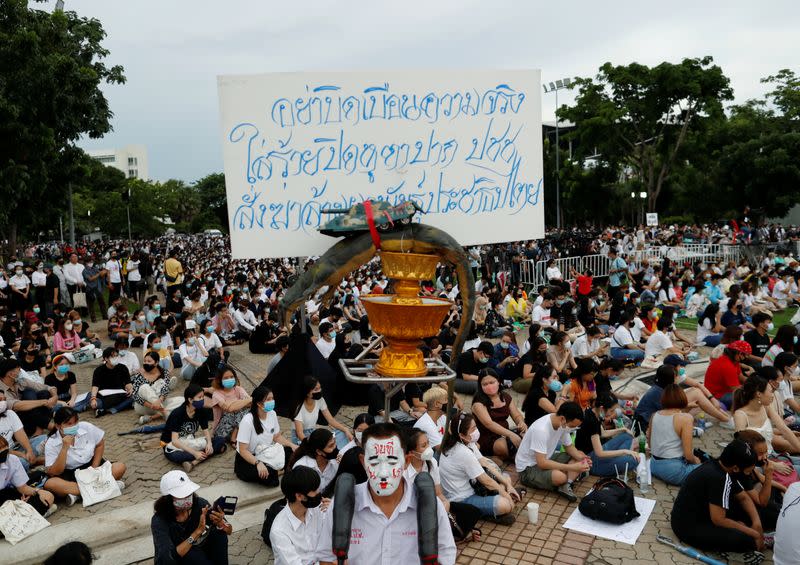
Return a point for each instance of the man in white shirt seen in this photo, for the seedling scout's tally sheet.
(659, 344)
(541, 314)
(589, 345)
(298, 526)
(538, 464)
(434, 419)
(73, 274)
(126, 356)
(384, 529)
(787, 542)
(245, 319)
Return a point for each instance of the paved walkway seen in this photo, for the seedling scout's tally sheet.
(522, 543)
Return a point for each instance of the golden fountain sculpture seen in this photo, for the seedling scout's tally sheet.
(405, 318)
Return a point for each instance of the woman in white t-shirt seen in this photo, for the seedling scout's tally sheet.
(305, 420)
(135, 289)
(12, 430)
(462, 468)
(709, 329)
(209, 338)
(421, 459)
(261, 450)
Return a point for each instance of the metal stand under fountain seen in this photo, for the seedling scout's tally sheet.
(402, 320)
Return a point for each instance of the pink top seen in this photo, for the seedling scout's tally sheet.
(225, 396)
(65, 343)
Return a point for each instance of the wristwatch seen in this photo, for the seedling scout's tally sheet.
(190, 540)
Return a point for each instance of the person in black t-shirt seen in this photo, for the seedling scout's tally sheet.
(469, 364)
(186, 436)
(111, 375)
(602, 379)
(541, 398)
(63, 380)
(610, 450)
(30, 359)
(758, 339)
(700, 515)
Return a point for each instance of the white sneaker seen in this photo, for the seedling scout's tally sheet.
(72, 499)
(50, 510)
(727, 425)
(143, 420)
(121, 485)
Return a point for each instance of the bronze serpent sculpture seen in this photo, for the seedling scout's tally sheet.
(354, 251)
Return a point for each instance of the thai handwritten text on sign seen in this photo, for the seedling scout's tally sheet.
(465, 146)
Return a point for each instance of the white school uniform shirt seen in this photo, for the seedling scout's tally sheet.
(20, 282)
(295, 542)
(81, 452)
(378, 540)
(787, 542)
(9, 425)
(211, 341)
(434, 430)
(133, 270)
(431, 467)
(309, 418)
(12, 473)
(38, 279)
(130, 360)
(540, 438)
(457, 468)
(325, 476)
(73, 274)
(247, 432)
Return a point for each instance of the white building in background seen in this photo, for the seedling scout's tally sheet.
(131, 160)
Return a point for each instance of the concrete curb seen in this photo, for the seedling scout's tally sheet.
(123, 535)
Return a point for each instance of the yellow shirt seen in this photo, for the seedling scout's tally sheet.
(173, 269)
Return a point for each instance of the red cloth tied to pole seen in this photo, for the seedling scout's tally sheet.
(373, 231)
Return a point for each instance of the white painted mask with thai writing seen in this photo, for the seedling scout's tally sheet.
(385, 462)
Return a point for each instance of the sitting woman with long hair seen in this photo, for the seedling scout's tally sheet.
(318, 451)
(463, 473)
(259, 456)
(753, 410)
(670, 438)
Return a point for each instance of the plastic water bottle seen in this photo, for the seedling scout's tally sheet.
(701, 420)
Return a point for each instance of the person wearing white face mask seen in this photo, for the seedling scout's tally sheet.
(385, 516)
(538, 463)
(112, 390)
(72, 446)
(20, 286)
(185, 528)
(471, 478)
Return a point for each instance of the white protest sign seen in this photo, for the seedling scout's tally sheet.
(466, 146)
(652, 219)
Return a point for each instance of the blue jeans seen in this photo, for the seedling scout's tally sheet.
(625, 354)
(675, 360)
(671, 471)
(712, 340)
(611, 466)
(85, 404)
(338, 436)
(486, 504)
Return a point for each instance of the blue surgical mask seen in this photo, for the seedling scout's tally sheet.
(770, 327)
(795, 340)
(504, 345)
(70, 430)
(269, 406)
(333, 335)
(555, 386)
(210, 329)
(228, 383)
(63, 369)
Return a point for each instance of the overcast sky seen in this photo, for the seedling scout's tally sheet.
(172, 51)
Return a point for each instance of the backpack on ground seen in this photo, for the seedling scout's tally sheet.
(610, 500)
(269, 517)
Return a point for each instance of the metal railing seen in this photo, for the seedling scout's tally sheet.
(534, 273)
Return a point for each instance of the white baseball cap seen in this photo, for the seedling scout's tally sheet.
(178, 484)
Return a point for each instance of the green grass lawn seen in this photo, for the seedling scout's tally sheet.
(780, 318)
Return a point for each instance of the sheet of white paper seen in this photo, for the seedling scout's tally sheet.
(625, 533)
(111, 391)
(81, 397)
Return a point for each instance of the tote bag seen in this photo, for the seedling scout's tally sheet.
(97, 484)
(18, 520)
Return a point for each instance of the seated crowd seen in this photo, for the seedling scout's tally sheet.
(545, 404)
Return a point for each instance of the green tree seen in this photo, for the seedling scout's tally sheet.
(51, 70)
(638, 117)
(786, 94)
(213, 202)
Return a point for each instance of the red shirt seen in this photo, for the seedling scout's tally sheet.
(722, 376)
(584, 284)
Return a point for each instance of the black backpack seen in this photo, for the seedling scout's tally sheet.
(269, 517)
(610, 500)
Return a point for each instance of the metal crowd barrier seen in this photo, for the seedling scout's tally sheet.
(534, 273)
